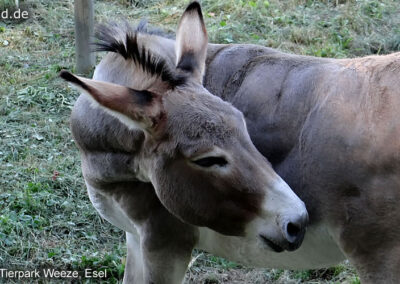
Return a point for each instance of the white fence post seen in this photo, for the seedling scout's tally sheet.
(84, 22)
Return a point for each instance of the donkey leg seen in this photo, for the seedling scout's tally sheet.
(379, 266)
(369, 233)
(134, 260)
(374, 252)
(165, 266)
(166, 244)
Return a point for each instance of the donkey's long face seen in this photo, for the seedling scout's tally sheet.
(209, 173)
(197, 152)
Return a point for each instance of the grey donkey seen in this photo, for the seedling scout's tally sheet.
(172, 164)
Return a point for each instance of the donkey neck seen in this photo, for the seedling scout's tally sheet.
(272, 89)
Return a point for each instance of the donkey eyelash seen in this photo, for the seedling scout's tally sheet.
(211, 161)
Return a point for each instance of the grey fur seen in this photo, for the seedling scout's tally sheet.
(329, 127)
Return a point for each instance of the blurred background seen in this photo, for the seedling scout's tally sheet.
(46, 218)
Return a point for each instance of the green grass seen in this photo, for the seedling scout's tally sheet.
(46, 218)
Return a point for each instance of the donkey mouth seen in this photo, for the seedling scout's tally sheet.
(271, 244)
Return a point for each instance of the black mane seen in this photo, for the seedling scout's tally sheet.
(109, 39)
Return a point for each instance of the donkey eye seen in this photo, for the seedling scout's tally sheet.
(211, 161)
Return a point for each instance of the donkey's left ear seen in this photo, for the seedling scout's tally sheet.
(191, 42)
(136, 109)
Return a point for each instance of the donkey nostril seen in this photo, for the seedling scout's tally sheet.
(293, 230)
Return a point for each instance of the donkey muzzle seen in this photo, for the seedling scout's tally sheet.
(293, 230)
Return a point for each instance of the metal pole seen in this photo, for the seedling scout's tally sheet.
(84, 22)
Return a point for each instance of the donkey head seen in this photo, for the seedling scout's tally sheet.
(197, 152)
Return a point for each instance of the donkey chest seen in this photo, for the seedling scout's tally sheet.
(117, 188)
(110, 210)
(126, 205)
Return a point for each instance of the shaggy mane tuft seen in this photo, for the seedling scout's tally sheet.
(123, 40)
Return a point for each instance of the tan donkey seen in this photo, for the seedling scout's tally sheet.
(167, 156)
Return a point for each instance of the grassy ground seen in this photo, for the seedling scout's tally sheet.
(46, 218)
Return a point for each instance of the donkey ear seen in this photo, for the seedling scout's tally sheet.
(135, 109)
(191, 42)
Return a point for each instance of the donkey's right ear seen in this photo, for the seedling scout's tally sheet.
(191, 42)
(135, 109)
